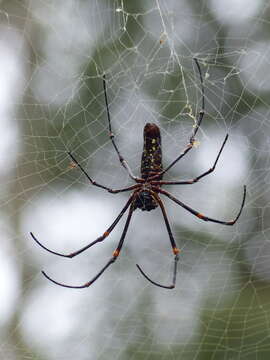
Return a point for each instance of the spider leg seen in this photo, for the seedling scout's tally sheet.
(174, 248)
(201, 216)
(196, 179)
(113, 191)
(121, 159)
(195, 128)
(160, 285)
(111, 260)
(99, 239)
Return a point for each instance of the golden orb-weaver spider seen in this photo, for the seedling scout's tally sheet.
(145, 195)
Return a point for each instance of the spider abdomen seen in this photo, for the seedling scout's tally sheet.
(151, 157)
(145, 201)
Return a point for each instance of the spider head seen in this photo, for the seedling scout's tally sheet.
(145, 201)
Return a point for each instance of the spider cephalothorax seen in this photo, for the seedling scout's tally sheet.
(146, 191)
(145, 201)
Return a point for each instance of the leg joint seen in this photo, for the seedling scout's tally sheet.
(201, 216)
(116, 253)
(112, 191)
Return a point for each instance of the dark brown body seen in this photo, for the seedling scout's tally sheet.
(151, 157)
(151, 164)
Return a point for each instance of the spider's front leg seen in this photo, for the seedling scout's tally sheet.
(116, 253)
(200, 215)
(99, 239)
(173, 244)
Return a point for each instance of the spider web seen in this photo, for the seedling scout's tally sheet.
(53, 56)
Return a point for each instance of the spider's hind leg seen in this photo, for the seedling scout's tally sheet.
(123, 162)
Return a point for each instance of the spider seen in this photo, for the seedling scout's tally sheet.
(147, 190)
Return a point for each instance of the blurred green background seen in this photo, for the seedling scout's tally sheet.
(53, 56)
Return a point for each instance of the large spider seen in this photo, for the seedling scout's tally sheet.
(146, 191)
